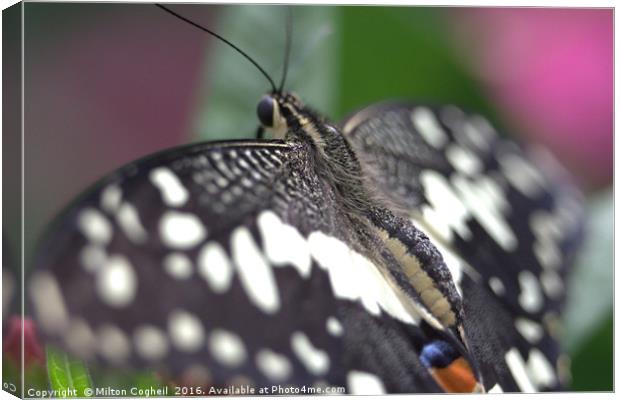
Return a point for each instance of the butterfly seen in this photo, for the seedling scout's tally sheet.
(407, 249)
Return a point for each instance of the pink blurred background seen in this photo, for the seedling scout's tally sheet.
(120, 89)
(551, 72)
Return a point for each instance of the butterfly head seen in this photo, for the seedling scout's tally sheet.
(278, 111)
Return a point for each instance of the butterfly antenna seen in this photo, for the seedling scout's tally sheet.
(210, 32)
(287, 46)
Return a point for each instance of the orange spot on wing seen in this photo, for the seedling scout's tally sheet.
(456, 377)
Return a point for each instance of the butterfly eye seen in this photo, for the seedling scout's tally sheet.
(265, 111)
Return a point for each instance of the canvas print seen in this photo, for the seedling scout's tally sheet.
(281, 200)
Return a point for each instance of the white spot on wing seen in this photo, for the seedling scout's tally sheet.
(364, 383)
(530, 330)
(80, 339)
(425, 122)
(463, 160)
(284, 244)
(552, 284)
(171, 188)
(497, 286)
(474, 132)
(48, 302)
(486, 201)
(334, 327)
(111, 198)
(113, 344)
(127, 217)
(150, 342)
(227, 348)
(436, 221)
(116, 282)
(547, 232)
(92, 257)
(496, 389)
(521, 174)
(186, 331)
(370, 287)
(316, 361)
(334, 255)
(178, 265)
(274, 366)
(367, 276)
(221, 182)
(530, 297)
(181, 230)
(215, 267)
(95, 226)
(255, 274)
(448, 212)
(479, 131)
(518, 370)
(540, 370)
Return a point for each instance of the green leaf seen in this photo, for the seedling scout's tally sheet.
(593, 364)
(391, 53)
(234, 86)
(67, 375)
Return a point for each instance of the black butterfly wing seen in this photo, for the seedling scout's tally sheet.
(222, 264)
(509, 216)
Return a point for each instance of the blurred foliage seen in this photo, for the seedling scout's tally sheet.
(590, 289)
(588, 318)
(35, 375)
(397, 52)
(593, 362)
(343, 58)
(11, 375)
(233, 86)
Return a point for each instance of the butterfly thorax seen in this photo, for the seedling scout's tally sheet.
(334, 158)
